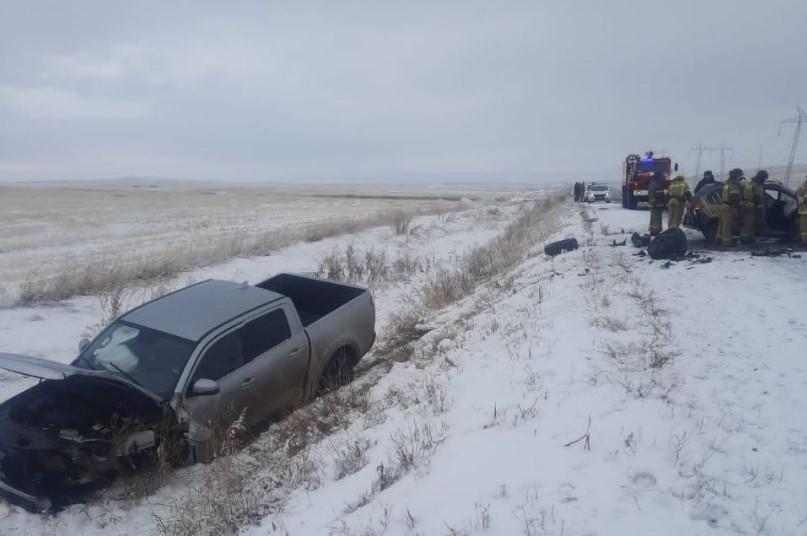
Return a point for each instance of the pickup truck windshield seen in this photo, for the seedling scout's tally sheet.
(150, 358)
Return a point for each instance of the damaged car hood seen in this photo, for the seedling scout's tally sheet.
(44, 369)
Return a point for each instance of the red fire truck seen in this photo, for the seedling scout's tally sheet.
(637, 171)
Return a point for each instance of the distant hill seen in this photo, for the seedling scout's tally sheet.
(127, 183)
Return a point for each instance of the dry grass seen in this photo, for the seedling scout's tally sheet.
(401, 222)
(371, 267)
(492, 259)
(405, 327)
(105, 275)
(349, 456)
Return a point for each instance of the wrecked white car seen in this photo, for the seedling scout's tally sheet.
(166, 374)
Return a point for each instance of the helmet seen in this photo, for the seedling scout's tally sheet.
(680, 176)
(708, 173)
(761, 176)
(735, 173)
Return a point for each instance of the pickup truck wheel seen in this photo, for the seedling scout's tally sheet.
(338, 371)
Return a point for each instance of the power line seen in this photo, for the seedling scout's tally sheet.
(801, 117)
(700, 149)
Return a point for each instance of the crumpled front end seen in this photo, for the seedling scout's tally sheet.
(57, 443)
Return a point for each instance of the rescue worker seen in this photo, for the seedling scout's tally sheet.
(729, 208)
(708, 178)
(747, 211)
(760, 210)
(656, 199)
(678, 195)
(801, 195)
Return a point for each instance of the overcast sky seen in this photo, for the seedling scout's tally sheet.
(392, 91)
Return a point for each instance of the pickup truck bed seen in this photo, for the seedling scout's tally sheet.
(313, 298)
(335, 317)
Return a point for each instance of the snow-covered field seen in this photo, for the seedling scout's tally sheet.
(596, 393)
(72, 228)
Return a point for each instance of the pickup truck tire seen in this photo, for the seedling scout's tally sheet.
(338, 370)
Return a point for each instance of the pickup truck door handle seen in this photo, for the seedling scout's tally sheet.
(247, 381)
(294, 352)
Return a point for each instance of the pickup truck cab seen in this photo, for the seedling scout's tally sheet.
(178, 369)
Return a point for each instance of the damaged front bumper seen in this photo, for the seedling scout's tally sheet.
(41, 504)
(36, 502)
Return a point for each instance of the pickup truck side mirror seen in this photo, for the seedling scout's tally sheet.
(204, 387)
(83, 343)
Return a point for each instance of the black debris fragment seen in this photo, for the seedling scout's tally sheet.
(640, 241)
(774, 252)
(671, 244)
(561, 246)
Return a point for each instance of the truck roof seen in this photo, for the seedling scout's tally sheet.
(193, 311)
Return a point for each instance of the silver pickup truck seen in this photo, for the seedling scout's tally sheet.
(173, 372)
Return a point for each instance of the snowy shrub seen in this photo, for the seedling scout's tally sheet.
(349, 456)
(401, 222)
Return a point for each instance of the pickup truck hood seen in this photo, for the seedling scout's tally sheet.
(44, 369)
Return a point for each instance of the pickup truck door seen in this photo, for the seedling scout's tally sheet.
(276, 346)
(222, 360)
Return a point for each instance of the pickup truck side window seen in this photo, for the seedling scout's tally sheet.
(223, 357)
(264, 333)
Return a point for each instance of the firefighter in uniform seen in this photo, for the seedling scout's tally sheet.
(656, 199)
(678, 195)
(801, 195)
(748, 208)
(708, 178)
(760, 211)
(729, 208)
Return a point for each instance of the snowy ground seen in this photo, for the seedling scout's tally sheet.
(595, 393)
(50, 230)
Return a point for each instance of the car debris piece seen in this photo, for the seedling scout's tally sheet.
(640, 241)
(615, 244)
(671, 244)
(561, 246)
(774, 252)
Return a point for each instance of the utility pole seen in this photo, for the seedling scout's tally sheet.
(801, 117)
(700, 149)
(759, 162)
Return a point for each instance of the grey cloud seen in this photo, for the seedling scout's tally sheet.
(386, 91)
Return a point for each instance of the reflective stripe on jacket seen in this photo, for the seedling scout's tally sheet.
(731, 193)
(678, 189)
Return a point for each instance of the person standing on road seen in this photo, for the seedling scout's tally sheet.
(760, 211)
(801, 195)
(577, 192)
(678, 195)
(708, 178)
(729, 208)
(656, 199)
